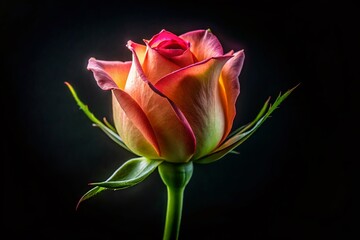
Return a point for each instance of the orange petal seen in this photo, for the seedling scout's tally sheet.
(195, 90)
(139, 49)
(176, 139)
(156, 66)
(229, 82)
(203, 44)
(185, 59)
(109, 74)
(137, 118)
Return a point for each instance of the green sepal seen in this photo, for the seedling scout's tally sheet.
(243, 133)
(127, 175)
(106, 128)
(130, 173)
(92, 192)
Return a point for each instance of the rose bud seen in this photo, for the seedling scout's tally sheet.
(175, 100)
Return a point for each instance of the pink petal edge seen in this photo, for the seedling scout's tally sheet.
(109, 74)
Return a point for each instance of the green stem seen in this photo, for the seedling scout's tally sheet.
(173, 213)
(175, 176)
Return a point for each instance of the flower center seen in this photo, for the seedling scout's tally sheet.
(172, 44)
(171, 48)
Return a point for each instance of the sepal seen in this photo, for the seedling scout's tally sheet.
(130, 173)
(106, 128)
(243, 133)
(127, 175)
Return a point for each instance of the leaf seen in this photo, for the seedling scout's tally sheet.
(106, 128)
(241, 134)
(127, 175)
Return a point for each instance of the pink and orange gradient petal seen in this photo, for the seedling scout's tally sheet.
(185, 59)
(109, 74)
(162, 67)
(106, 74)
(203, 44)
(230, 88)
(137, 117)
(138, 48)
(165, 117)
(195, 90)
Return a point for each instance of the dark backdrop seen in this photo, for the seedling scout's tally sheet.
(293, 179)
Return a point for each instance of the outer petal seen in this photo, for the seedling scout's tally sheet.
(125, 107)
(230, 87)
(133, 125)
(203, 44)
(109, 74)
(173, 132)
(195, 90)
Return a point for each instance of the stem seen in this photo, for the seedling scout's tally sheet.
(175, 176)
(173, 213)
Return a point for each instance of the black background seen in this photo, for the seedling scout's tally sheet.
(293, 179)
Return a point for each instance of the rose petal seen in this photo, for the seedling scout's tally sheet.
(185, 59)
(139, 49)
(109, 74)
(171, 47)
(165, 117)
(136, 121)
(229, 82)
(162, 67)
(203, 44)
(164, 36)
(113, 76)
(195, 90)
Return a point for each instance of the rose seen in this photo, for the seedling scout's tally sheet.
(173, 104)
(175, 100)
